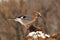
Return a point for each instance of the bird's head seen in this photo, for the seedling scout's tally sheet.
(36, 14)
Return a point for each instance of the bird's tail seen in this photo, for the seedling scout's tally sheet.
(12, 19)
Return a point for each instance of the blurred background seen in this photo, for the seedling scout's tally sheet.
(11, 30)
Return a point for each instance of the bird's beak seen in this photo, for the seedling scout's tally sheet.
(39, 14)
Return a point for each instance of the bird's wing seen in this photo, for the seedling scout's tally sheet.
(27, 18)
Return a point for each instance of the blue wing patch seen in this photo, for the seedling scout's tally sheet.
(27, 18)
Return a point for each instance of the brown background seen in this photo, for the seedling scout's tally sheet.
(11, 30)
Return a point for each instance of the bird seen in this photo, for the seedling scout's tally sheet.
(26, 20)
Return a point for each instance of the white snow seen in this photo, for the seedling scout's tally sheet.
(32, 34)
(38, 34)
(47, 35)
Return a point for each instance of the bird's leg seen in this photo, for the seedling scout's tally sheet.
(28, 26)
